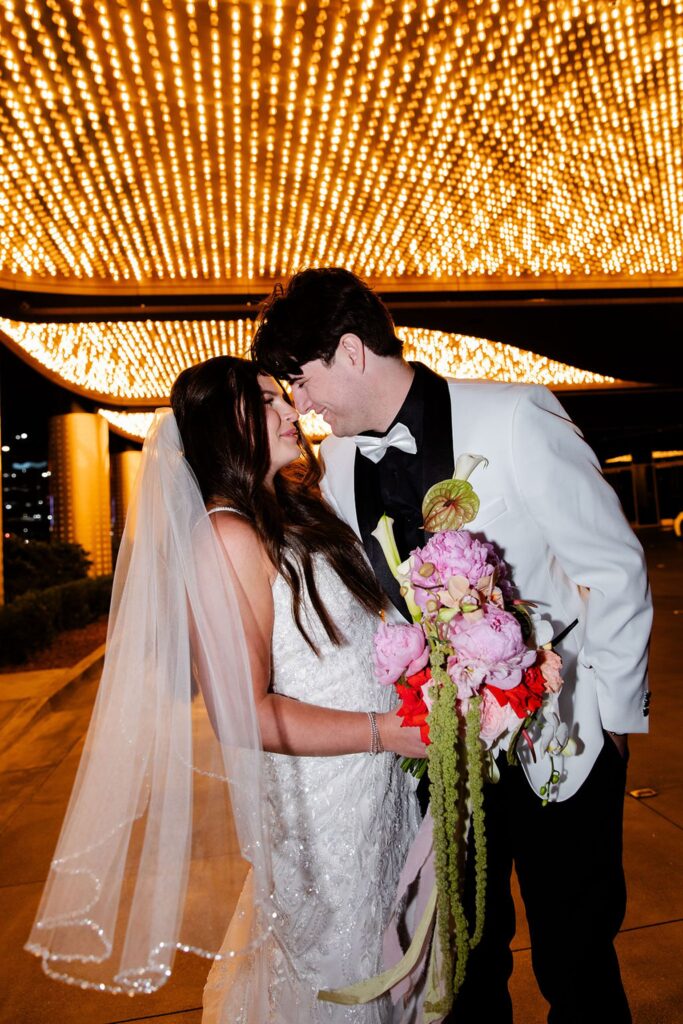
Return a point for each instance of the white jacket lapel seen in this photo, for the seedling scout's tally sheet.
(338, 484)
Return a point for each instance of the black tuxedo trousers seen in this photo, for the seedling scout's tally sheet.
(568, 859)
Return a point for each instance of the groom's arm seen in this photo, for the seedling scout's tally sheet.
(580, 518)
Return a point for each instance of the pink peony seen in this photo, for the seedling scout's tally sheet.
(490, 647)
(448, 554)
(495, 720)
(467, 676)
(399, 650)
(502, 575)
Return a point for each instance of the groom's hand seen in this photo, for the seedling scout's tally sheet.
(620, 741)
(404, 741)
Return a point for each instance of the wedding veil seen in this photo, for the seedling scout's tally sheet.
(169, 786)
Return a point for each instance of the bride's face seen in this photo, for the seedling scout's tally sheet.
(281, 417)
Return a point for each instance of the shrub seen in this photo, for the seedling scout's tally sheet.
(33, 620)
(39, 564)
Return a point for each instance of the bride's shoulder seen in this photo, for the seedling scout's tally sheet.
(242, 545)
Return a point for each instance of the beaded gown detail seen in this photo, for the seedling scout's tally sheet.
(340, 830)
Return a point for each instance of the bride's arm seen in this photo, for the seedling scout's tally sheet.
(290, 726)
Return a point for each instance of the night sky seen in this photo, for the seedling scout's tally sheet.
(27, 401)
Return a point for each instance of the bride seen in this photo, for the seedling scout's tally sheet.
(243, 629)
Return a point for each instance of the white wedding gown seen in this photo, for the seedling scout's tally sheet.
(340, 828)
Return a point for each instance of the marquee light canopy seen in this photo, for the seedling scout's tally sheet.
(163, 145)
(135, 363)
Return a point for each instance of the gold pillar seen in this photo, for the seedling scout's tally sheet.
(124, 467)
(79, 484)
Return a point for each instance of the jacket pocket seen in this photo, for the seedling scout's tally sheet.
(487, 513)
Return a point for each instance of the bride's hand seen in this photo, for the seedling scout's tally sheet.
(403, 741)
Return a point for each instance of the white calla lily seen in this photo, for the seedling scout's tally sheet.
(466, 464)
(403, 572)
(384, 535)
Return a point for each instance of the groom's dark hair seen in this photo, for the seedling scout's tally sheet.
(305, 320)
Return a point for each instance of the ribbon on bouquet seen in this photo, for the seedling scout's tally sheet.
(402, 978)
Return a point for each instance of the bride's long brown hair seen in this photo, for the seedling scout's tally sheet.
(220, 412)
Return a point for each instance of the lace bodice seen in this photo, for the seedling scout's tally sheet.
(342, 676)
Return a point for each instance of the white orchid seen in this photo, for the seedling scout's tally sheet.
(554, 738)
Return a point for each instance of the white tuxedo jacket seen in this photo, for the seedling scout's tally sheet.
(559, 525)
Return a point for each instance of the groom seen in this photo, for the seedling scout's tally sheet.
(397, 429)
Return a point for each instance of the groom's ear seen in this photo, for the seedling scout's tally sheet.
(352, 351)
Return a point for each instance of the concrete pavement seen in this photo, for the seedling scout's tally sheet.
(38, 761)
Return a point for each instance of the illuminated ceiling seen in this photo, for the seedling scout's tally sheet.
(159, 145)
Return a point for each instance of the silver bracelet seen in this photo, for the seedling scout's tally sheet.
(376, 747)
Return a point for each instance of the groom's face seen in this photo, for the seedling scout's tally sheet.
(331, 391)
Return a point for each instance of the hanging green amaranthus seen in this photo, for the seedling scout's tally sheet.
(456, 777)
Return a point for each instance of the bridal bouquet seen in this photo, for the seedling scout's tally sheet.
(474, 668)
(470, 628)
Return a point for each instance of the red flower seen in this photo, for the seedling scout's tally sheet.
(418, 680)
(525, 698)
(413, 709)
(534, 680)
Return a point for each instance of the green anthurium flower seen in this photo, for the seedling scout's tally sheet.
(448, 505)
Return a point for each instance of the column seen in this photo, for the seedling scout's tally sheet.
(125, 466)
(79, 484)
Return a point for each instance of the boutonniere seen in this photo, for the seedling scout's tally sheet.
(450, 504)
